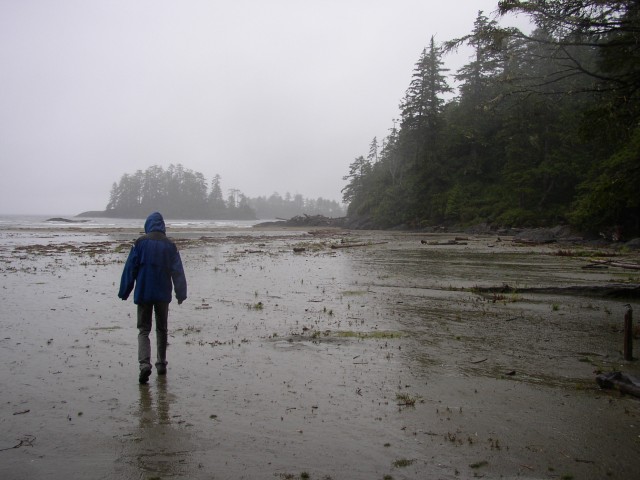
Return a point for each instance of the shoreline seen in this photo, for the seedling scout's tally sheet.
(373, 361)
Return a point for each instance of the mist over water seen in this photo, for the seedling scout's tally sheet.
(91, 91)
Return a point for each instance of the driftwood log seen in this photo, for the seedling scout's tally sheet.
(619, 381)
(445, 242)
(351, 245)
(614, 290)
(631, 266)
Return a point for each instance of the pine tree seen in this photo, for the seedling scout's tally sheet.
(217, 206)
(372, 157)
(358, 170)
(421, 110)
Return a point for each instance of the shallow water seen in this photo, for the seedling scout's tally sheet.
(285, 364)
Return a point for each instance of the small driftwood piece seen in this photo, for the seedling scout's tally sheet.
(351, 245)
(479, 361)
(526, 241)
(447, 242)
(24, 442)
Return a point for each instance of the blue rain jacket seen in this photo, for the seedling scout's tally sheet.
(154, 266)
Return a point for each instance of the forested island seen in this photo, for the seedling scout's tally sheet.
(179, 192)
(543, 131)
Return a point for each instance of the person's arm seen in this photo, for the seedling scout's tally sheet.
(178, 278)
(129, 274)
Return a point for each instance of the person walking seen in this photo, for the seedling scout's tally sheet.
(154, 266)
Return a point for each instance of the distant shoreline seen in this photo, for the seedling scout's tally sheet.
(66, 220)
(136, 216)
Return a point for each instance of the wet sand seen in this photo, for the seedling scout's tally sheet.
(371, 362)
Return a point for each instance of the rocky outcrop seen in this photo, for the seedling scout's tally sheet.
(548, 235)
(306, 221)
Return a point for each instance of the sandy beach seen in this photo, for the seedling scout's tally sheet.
(295, 360)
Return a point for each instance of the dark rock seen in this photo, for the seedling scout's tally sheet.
(547, 235)
(633, 244)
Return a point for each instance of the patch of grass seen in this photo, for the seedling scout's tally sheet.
(123, 247)
(353, 293)
(555, 307)
(190, 329)
(403, 462)
(302, 476)
(406, 400)
(369, 335)
(583, 253)
(309, 246)
(502, 298)
(318, 333)
(498, 297)
(256, 306)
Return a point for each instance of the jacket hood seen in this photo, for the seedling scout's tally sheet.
(154, 223)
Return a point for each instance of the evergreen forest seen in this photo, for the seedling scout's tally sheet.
(543, 128)
(179, 192)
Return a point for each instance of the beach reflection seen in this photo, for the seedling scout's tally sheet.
(155, 405)
(160, 447)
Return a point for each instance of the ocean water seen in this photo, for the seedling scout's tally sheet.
(8, 222)
(18, 230)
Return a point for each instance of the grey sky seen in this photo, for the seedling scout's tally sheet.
(274, 95)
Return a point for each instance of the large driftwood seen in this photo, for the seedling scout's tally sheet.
(444, 243)
(614, 290)
(631, 266)
(619, 381)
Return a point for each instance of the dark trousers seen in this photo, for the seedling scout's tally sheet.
(145, 313)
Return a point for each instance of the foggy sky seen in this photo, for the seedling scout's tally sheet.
(273, 95)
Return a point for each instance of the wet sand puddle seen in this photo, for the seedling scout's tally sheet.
(380, 361)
